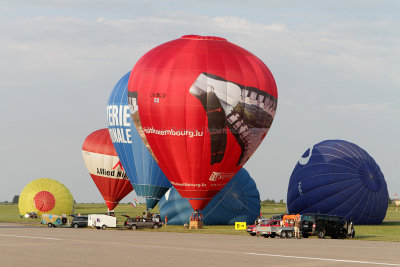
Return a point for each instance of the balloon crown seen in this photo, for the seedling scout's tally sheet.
(199, 37)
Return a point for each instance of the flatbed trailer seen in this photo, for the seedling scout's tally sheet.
(266, 231)
(273, 231)
(285, 231)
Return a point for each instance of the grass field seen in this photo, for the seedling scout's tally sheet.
(389, 230)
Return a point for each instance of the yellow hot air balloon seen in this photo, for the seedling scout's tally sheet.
(46, 195)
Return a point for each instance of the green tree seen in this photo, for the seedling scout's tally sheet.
(15, 199)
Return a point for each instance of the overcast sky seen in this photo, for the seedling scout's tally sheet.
(336, 65)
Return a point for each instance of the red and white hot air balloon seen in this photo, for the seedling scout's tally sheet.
(105, 168)
(203, 105)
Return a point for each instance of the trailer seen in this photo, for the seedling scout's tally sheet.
(284, 229)
(266, 231)
(102, 221)
(54, 220)
(273, 231)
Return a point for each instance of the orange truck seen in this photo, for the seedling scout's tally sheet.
(288, 219)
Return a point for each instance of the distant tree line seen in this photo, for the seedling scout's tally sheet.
(14, 201)
(271, 201)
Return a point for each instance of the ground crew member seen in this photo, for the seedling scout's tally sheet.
(297, 227)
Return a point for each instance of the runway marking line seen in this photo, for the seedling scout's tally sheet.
(324, 259)
(34, 237)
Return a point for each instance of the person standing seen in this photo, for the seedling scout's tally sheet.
(297, 227)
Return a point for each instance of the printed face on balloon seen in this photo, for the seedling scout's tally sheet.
(245, 112)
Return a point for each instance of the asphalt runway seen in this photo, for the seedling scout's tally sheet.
(42, 246)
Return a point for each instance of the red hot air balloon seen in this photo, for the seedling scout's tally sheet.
(203, 105)
(104, 166)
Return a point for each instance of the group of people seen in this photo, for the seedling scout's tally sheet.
(196, 216)
(293, 220)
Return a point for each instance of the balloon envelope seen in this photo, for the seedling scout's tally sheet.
(202, 105)
(46, 195)
(238, 201)
(339, 178)
(143, 172)
(105, 168)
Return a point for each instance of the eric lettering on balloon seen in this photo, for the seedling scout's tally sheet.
(247, 111)
(119, 124)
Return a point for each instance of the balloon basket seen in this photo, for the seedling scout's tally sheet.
(196, 225)
(196, 220)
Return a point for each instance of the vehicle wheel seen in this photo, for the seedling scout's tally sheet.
(283, 234)
(253, 234)
(305, 235)
(289, 234)
(76, 226)
(353, 233)
(49, 225)
(133, 226)
(155, 226)
(273, 235)
(104, 227)
(130, 227)
(266, 236)
(321, 234)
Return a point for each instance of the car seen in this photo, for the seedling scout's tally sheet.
(135, 223)
(252, 229)
(79, 221)
(271, 223)
(277, 217)
(323, 225)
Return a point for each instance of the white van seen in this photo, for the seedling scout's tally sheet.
(102, 221)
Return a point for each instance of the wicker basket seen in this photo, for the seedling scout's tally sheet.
(196, 225)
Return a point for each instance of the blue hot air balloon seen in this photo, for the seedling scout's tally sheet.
(338, 178)
(143, 172)
(238, 201)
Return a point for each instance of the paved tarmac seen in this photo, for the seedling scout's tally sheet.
(42, 246)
